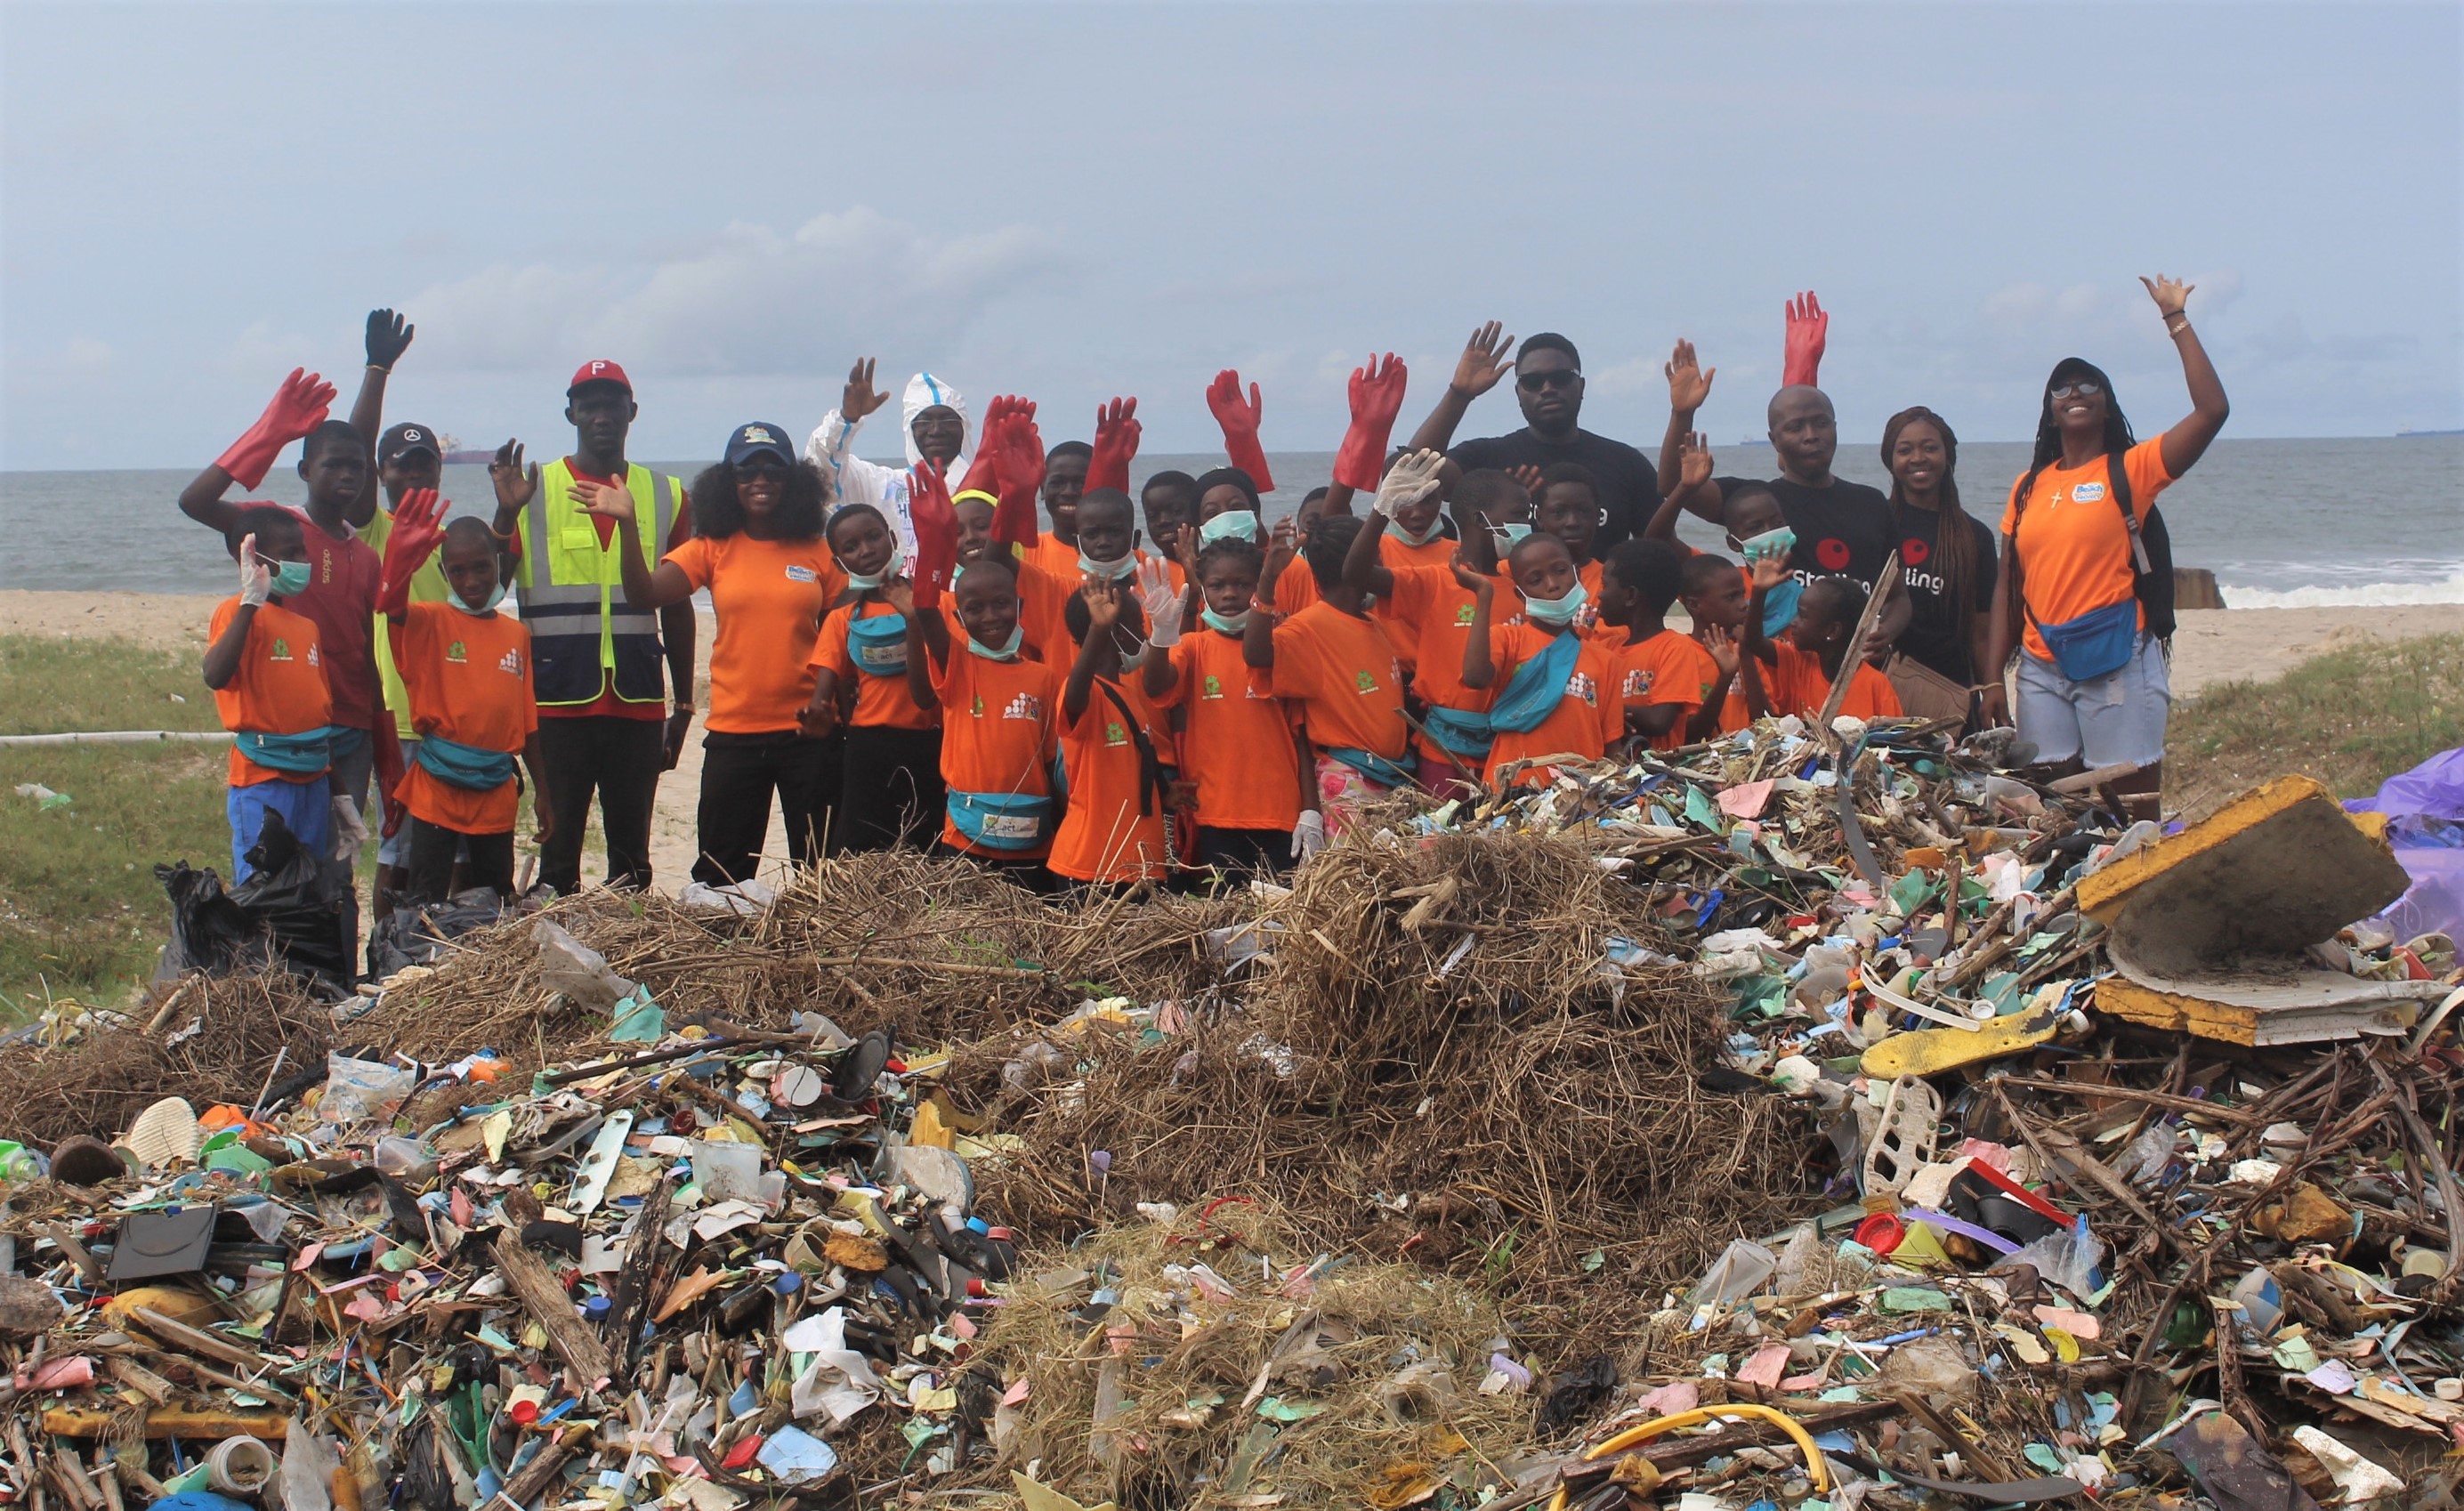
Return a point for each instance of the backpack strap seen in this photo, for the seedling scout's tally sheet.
(2116, 471)
(1149, 765)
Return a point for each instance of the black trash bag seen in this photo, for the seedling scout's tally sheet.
(287, 914)
(209, 931)
(417, 935)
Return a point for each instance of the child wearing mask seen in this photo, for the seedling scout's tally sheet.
(266, 668)
(1555, 688)
(1112, 835)
(1000, 725)
(889, 788)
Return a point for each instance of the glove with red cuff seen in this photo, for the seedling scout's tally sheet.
(1808, 327)
(1376, 399)
(300, 406)
(1116, 443)
(1239, 422)
(936, 532)
(418, 525)
(1018, 448)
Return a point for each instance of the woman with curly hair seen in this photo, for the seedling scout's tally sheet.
(757, 546)
(1946, 553)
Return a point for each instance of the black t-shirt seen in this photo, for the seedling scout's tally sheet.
(1935, 635)
(1842, 530)
(1629, 485)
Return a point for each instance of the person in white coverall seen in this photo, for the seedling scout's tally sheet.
(936, 430)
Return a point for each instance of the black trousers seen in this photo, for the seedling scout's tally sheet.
(738, 773)
(432, 860)
(1240, 853)
(890, 791)
(617, 758)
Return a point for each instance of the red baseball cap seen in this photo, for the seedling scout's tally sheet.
(598, 372)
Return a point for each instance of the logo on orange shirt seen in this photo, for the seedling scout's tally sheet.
(457, 653)
(1211, 687)
(1463, 616)
(281, 650)
(1027, 705)
(1366, 681)
(1114, 734)
(2087, 493)
(1581, 686)
(797, 572)
(1639, 681)
(511, 664)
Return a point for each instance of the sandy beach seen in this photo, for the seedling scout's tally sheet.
(2211, 648)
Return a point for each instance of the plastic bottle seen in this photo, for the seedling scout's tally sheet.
(239, 1466)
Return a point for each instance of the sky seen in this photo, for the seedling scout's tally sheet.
(1075, 202)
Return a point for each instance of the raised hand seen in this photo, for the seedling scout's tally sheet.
(1103, 609)
(1467, 576)
(299, 406)
(1377, 395)
(1018, 448)
(1485, 360)
(1722, 643)
(1238, 421)
(388, 337)
(1694, 461)
(1116, 443)
(1184, 550)
(604, 501)
(418, 526)
(900, 593)
(2171, 295)
(515, 485)
(860, 398)
(1769, 571)
(1411, 479)
(1162, 603)
(1807, 329)
(1689, 383)
(1280, 546)
(256, 578)
(1528, 476)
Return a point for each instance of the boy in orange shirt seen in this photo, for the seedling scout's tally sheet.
(1662, 677)
(1716, 599)
(266, 668)
(1113, 833)
(890, 784)
(1257, 811)
(468, 671)
(1000, 728)
(1567, 505)
(1794, 675)
(1556, 688)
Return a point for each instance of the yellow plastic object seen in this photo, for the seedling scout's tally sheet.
(1815, 1468)
(1930, 1051)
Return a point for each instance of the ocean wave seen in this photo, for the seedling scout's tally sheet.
(2348, 595)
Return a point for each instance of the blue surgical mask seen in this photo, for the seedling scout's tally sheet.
(1120, 570)
(865, 582)
(1558, 611)
(290, 578)
(1436, 528)
(1228, 623)
(1507, 535)
(495, 596)
(1779, 608)
(1769, 543)
(1002, 651)
(1233, 524)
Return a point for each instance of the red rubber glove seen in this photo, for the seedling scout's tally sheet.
(1020, 451)
(391, 768)
(1807, 329)
(983, 472)
(300, 406)
(1376, 399)
(1116, 443)
(1239, 422)
(936, 533)
(418, 525)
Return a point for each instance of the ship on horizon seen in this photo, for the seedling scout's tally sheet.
(455, 454)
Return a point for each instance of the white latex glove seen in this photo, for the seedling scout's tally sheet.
(256, 578)
(1309, 835)
(1163, 603)
(1411, 479)
(350, 835)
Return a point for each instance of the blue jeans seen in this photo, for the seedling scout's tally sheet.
(307, 811)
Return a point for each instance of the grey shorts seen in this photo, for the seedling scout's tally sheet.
(2105, 722)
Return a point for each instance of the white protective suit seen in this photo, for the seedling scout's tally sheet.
(853, 480)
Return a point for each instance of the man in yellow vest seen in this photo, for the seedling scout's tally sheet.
(595, 662)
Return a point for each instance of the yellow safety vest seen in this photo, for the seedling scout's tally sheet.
(583, 638)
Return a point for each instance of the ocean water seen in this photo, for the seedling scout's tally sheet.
(2282, 523)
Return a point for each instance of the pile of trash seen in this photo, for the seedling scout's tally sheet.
(1811, 1118)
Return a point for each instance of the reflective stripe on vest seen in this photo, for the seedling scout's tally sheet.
(583, 638)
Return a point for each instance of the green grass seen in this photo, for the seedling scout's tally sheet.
(2351, 718)
(80, 913)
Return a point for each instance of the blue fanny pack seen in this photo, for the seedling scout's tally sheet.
(1533, 692)
(1464, 733)
(878, 645)
(2094, 644)
(999, 820)
(465, 766)
(305, 754)
(1371, 765)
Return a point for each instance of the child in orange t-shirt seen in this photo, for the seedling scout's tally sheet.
(1000, 725)
(266, 668)
(466, 668)
(1794, 675)
(1555, 689)
(1114, 832)
(1716, 599)
(1257, 811)
(889, 781)
(1662, 677)
(1337, 663)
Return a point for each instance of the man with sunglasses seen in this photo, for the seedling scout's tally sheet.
(1548, 386)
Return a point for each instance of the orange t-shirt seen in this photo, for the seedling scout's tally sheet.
(999, 730)
(1798, 686)
(2074, 549)
(769, 596)
(1104, 836)
(1238, 745)
(1041, 598)
(468, 677)
(1668, 668)
(280, 688)
(1347, 679)
(1436, 610)
(1296, 588)
(1054, 555)
(1586, 718)
(879, 701)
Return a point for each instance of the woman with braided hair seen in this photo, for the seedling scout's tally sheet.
(1946, 553)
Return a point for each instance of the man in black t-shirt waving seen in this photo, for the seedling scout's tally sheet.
(1548, 385)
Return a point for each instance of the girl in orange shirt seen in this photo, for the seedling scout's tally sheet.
(758, 547)
(1114, 832)
(1559, 692)
(889, 785)
(1795, 675)
(1001, 713)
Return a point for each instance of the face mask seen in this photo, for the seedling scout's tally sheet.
(290, 578)
(1228, 623)
(1779, 608)
(1120, 570)
(1769, 543)
(1507, 535)
(1557, 610)
(1002, 651)
(865, 581)
(495, 596)
(1233, 524)
(1436, 528)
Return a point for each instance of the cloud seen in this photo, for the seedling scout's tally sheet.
(747, 301)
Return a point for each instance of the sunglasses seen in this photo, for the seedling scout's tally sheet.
(2083, 387)
(1562, 378)
(761, 465)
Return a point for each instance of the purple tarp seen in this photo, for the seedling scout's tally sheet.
(2424, 809)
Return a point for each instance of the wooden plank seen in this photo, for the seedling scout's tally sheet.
(530, 1282)
(76, 1421)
